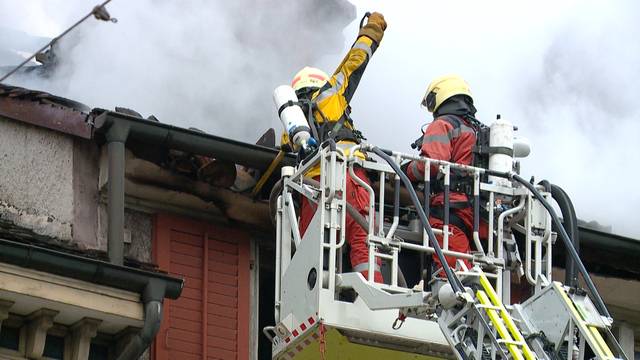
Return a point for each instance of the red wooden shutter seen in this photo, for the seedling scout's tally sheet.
(211, 318)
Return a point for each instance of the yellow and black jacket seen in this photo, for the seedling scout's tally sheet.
(331, 102)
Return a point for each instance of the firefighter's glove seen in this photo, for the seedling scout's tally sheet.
(375, 27)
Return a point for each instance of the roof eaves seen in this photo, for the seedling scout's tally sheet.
(45, 110)
(608, 241)
(86, 269)
(173, 137)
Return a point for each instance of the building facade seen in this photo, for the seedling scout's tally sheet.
(57, 203)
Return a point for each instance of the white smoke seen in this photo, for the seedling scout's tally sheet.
(565, 72)
(207, 64)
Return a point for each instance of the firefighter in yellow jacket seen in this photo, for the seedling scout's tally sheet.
(329, 102)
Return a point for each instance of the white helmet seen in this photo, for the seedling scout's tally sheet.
(309, 77)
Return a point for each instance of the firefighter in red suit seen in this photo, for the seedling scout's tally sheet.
(330, 97)
(450, 137)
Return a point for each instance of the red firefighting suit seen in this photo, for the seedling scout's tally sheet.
(332, 102)
(358, 197)
(453, 141)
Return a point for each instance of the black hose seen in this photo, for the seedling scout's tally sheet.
(565, 237)
(570, 222)
(453, 279)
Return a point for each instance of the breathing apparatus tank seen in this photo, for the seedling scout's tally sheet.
(501, 154)
(292, 117)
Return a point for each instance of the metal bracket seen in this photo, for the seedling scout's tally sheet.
(379, 297)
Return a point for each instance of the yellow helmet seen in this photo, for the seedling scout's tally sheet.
(309, 77)
(443, 88)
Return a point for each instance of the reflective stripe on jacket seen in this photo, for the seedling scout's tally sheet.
(444, 141)
(333, 98)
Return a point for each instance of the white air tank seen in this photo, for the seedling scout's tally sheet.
(291, 115)
(501, 140)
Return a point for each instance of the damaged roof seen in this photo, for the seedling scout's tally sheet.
(45, 110)
(70, 117)
(604, 251)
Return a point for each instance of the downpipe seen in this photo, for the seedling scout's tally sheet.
(116, 137)
(152, 298)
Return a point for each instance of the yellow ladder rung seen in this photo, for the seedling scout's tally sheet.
(500, 327)
(492, 307)
(591, 324)
(511, 342)
(490, 297)
(590, 332)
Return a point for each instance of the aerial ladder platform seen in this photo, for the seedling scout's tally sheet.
(324, 310)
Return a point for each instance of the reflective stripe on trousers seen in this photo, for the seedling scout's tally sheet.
(365, 267)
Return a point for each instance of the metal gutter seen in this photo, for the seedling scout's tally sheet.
(609, 242)
(173, 137)
(152, 287)
(86, 269)
(605, 254)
